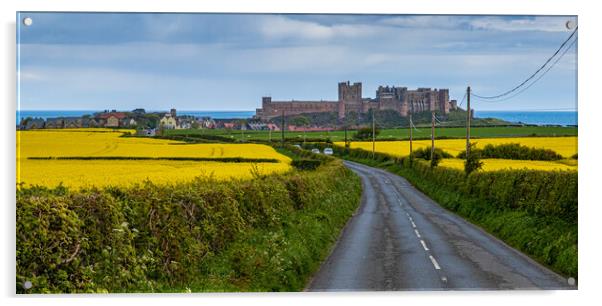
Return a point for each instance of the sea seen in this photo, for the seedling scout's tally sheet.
(45, 114)
(563, 118)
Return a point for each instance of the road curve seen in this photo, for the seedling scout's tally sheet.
(399, 239)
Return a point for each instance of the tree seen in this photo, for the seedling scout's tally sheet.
(473, 161)
(365, 133)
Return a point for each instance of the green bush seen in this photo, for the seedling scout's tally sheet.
(514, 151)
(306, 163)
(473, 161)
(365, 133)
(425, 153)
(265, 234)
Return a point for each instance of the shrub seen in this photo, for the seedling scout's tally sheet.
(365, 133)
(473, 162)
(306, 163)
(514, 151)
(425, 153)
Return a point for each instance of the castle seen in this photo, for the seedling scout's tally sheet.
(399, 99)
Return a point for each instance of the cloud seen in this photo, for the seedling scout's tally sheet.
(543, 24)
(424, 22)
(231, 60)
(278, 27)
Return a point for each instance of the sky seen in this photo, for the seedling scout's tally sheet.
(96, 61)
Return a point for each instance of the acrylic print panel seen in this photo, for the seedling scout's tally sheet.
(162, 152)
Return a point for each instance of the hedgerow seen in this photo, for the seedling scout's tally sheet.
(514, 151)
(265, 234)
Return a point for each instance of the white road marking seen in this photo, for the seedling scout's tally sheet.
(413, 224)
(424, 245)
(417, 233)
(444, 279)
(434, 262)
(407, 214)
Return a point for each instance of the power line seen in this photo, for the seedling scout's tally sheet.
(415, 128)
(462, 100)
(532, 75)
(538, 78)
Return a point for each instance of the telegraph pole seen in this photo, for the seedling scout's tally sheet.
(282, 127)
(467, 121)
(432, 134)
(373, 134)
(411, 132)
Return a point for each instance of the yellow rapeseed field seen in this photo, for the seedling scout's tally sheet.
(106, 142)
(565, 146)
(500, 164)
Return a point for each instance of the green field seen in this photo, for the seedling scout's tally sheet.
(385, 134)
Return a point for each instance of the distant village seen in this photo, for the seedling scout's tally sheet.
(148, 124)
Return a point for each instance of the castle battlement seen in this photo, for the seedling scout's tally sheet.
(399, 99)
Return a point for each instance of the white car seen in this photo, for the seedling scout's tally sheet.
(297, 146)
(328, 151)
(316, 151)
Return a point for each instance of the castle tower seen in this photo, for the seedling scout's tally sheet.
(173, 112)
(350, 98)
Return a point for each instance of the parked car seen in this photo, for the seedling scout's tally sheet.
(297, 146)
(316, 151)
(328, 151)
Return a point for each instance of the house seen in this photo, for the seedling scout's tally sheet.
(258, 126)
(112, 118)
(72, 122)
(272, 126)
(127, 122)
(29, 124)
(54, 123)
(185, 123)
(168, 122)
(206, 122)
(90, 123)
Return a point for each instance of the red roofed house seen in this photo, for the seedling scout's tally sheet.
(112, 118)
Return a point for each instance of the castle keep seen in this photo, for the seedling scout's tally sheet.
(399, 99)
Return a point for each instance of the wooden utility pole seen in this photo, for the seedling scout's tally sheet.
(346, 136)
(432, 135)
(411, 132)
(373, 134)
(270, 134)
(468, 115)
(282, 127)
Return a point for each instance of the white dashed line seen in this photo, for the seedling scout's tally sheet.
(413, 224)
(424, 245)
(407, 214)
(417, 233)
(434, 262)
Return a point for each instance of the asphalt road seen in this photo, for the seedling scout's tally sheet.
(399, 239)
